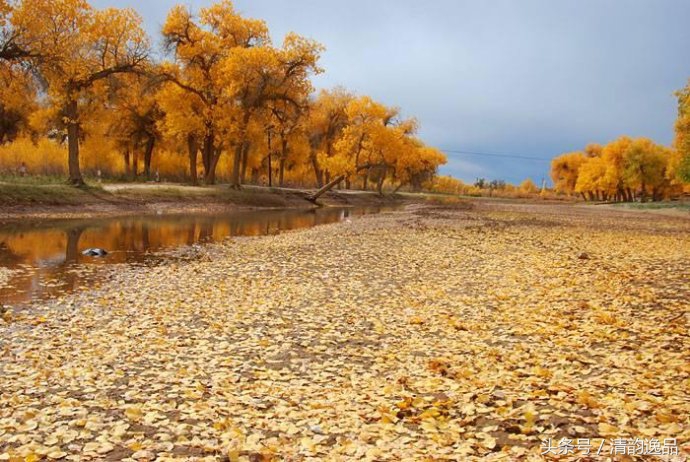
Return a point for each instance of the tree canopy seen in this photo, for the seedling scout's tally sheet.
(224, 99)
(623, 170)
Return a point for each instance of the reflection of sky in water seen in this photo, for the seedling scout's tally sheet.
(47, 254)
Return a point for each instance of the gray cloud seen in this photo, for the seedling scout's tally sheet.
(534, 77)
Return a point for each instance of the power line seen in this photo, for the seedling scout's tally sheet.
(492, 154)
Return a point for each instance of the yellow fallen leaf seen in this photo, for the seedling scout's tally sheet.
(429, 426)
(664, 416)
(28, 426)
(90, 447)
(79, 422)
(607, 429)
(52, 440)
(105, 448)
(489, 442)
(58, 454)
(233, 455)
(308, 444)
(135, 446)
(134, 413)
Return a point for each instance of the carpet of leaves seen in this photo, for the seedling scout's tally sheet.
(432, 333)
(5, 275)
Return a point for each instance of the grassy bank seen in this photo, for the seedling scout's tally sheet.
(666, 205)
(27, 194)
(55, 200)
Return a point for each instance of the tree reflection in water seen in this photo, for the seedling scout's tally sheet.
(47, 254)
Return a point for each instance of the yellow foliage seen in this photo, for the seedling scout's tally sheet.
(45, 157)
(624, 169)
(529, 187)
(228, 101)
(679, 165)
(564, 171)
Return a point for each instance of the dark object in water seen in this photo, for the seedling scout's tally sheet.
(95, 252)
(583, 256)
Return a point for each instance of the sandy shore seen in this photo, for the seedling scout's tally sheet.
(431, 333)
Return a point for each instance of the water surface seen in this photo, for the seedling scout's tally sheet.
(46, 254)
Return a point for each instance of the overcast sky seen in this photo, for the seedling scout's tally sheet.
(531, 78)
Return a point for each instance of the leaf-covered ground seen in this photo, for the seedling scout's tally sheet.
(5, 275)
(432, 333)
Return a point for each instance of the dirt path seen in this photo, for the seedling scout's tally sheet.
(433, 333)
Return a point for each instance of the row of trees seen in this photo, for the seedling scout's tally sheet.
(628, 169)
(224, 96)
(482, 187)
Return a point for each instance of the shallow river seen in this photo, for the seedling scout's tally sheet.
(46, 260)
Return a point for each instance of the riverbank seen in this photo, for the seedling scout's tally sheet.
(55, 200)
(435, 332)
(669, 208)
(40, 201)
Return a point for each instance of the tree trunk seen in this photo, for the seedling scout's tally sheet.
(379, 185)
(642, 193)
(283, 160)
(281, 172)
(213, 163)
(207, 153)
(192, 150)
(235, 179)
(245, 162)
(135, 162)
(72, 113)
(333, 183)
(236, 161)
(270, 171)
(128, 166)
(148, 153)
(318, 173)
(324, 189)
(270, 164)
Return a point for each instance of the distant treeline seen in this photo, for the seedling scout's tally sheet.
(629, 169)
